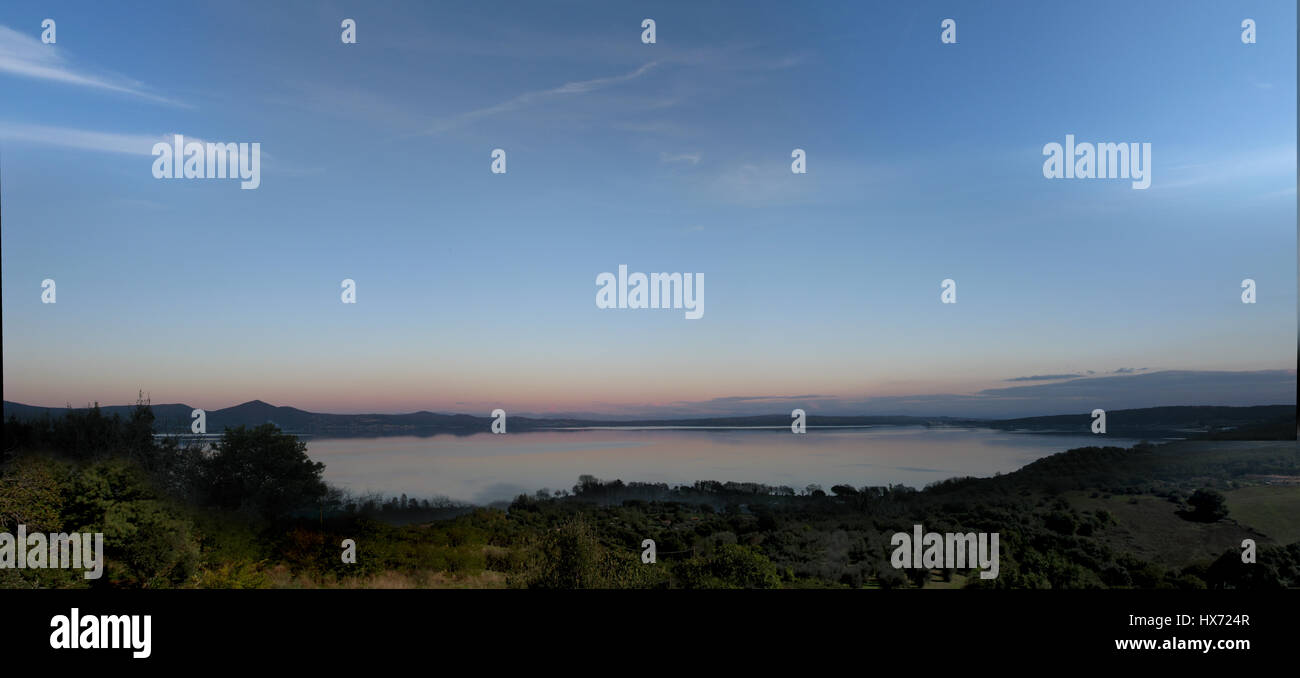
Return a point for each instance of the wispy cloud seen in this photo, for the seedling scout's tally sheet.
(656, 127)
(108, 142)
(26, 56)
(693, 158)
(1046, 377)
(1278, 161)
(1286, 192)
(86, 140)
(350, 102)
(528, 98)
(1119, 391)
(768, 181)
(757, 185)
(137, 204)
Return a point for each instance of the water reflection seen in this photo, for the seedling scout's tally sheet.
(484, 467)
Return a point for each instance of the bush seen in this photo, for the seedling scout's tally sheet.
(1208, 506)
(147, 542)
(731, 566)
(570, 557)
(263, 472)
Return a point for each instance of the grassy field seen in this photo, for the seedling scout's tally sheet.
(1150, 528)
(1271, 509)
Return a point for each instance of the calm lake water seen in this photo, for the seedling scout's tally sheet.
(484, 467)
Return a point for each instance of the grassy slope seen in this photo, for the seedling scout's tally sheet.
(1151, 529)
(1271, 509)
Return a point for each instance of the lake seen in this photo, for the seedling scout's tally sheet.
(484, 467)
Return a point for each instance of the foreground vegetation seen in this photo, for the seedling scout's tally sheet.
(252, 511)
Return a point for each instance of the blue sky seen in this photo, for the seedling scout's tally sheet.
(476, 290)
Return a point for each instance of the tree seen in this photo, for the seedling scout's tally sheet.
(262, 471)
(147, 543)
(139, 428)
(844, 490)
(569, 556)
(1228, 572)
(730, 566)
(1208, 505)
(586, 483)
(29, 495)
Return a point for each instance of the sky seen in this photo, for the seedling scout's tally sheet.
(477, 290)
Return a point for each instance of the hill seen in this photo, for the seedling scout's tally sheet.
(1265, 422)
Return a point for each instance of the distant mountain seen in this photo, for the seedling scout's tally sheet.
(171, 411)
(1271, 421)
(292, 419)
(1181, 421)
(175, 418)
(1021, 397)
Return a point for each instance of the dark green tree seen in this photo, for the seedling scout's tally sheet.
(262, 471)
(1208, 505)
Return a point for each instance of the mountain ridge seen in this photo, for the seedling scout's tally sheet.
(1138, 422)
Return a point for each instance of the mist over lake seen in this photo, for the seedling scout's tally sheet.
(484, 467)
